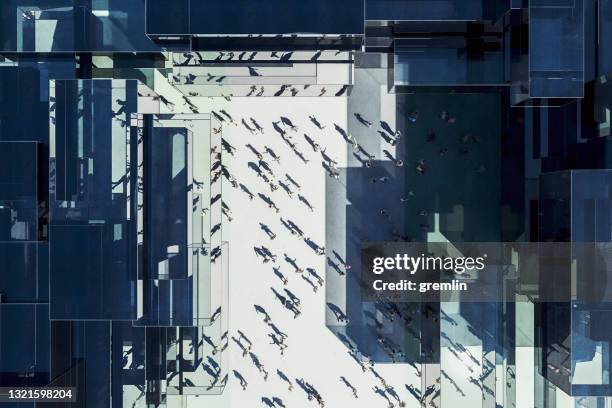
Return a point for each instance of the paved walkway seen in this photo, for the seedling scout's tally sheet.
(314, 353)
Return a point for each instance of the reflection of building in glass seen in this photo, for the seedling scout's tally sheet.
(574, 354)
(137, 271)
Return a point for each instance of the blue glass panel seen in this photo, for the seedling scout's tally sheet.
(18, 277)
(591, 206)
(556, 48)
(437, 10)
(446, 66)
(89, 277)
(166, 203)
(18, 182)
(165, 17)
(276, 17)
(605, 36)
(24, 349)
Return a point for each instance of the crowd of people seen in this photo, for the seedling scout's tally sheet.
(270, 167)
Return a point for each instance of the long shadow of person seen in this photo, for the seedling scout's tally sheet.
(267, 401)
(284, 377)
(214, 374)
(413, 391)
(338, 313)
(292, 296)
(239, 377)
(382, 393)
(311, 283)
(278, 402)
(261, 310)
(315, 275)
(334, 266)
(280, 275)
